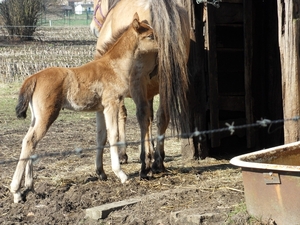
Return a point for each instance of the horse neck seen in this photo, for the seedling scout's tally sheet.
(101, 9)
(125, 46)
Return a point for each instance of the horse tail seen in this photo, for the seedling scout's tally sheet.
(25, 95)
(171, 26)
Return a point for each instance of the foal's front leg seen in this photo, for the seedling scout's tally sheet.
(101, 140)
(139, 80)
(111, 120)
(122, 135)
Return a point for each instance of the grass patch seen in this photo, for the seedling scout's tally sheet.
(131, 109)
(8, 100)
(239, 214)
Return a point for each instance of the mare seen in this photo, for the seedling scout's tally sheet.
(163, 71)
(96, 86)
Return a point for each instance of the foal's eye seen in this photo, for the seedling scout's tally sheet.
(151, 36)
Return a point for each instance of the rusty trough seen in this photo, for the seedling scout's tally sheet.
(271, 180)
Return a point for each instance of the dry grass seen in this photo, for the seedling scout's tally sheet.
(67, 47)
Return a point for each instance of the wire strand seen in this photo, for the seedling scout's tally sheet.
(264, 123)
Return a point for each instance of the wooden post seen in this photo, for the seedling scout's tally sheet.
(289, 45)
(213, 91)
(248, 65)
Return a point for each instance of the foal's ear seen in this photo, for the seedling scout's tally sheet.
(136, 16)
(135, 22)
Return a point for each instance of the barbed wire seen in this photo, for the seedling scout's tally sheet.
(215, 3)
(198, 134)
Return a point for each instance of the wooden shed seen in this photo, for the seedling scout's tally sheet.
(248, 63)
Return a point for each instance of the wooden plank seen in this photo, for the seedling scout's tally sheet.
(288, 31)
(102, 211)
(229, 13)
(248, 67)
(232, 103)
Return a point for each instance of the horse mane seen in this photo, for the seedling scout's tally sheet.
(112, 4)
(108, 45)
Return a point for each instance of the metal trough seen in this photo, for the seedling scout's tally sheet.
(271, 180)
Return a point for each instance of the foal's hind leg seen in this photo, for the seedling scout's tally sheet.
(38, 129)
(29, 175)
(30, 141)
(162, 124)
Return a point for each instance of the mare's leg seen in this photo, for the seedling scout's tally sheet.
(36, 132)
(111, 120)
(162, 124)
(101, 140)
(122, 137)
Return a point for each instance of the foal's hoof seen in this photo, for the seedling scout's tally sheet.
(17, 197)
(203, 152)
(102, 176)
(146, 175)
(123, 159)
(158, 167)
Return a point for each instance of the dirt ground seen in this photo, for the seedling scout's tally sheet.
(66, 185)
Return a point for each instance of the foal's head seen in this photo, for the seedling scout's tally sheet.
(146, 42)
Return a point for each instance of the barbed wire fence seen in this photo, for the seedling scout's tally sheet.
(201, 135)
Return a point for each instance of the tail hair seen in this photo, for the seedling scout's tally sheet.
(25, 95)
(171, 25)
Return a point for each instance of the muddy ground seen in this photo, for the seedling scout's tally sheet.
(66, 185)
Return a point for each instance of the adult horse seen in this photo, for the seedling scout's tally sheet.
(96, 86)
(166, 70)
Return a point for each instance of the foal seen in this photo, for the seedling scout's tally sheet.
(96, 86)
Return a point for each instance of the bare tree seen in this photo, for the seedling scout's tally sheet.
(20, 17)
